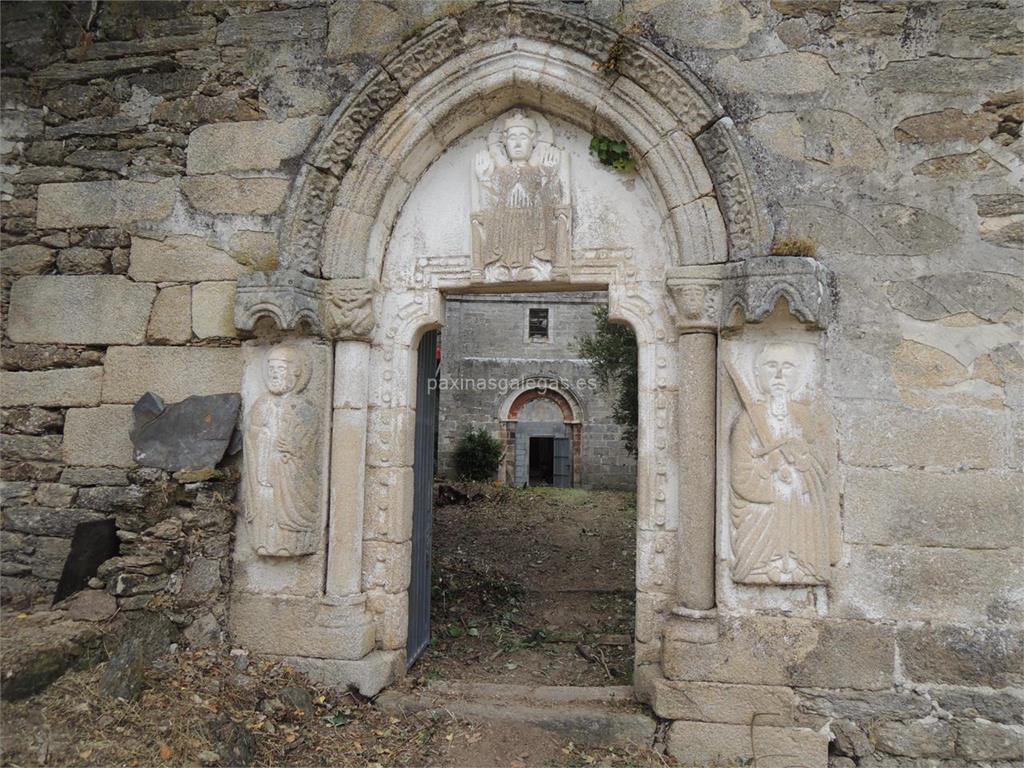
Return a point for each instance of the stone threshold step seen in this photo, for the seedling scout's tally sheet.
(595, 717)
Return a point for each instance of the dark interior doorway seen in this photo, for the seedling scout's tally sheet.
(542, 460)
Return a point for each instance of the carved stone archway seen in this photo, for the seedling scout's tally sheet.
(348, 603)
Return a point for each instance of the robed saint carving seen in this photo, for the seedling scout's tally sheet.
(282, 446)
(783, 498)
(521, 205)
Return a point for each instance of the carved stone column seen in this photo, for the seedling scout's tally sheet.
(329, 619)
(697, 305)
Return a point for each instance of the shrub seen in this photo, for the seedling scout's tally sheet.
(477, 455)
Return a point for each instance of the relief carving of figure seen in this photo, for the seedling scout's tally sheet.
(521, 205)
(348, 309)
(783, 500)
(281, 450)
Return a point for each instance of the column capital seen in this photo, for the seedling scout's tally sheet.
(716, 297)
(338, 310)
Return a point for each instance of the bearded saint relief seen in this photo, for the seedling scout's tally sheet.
(281, 450)
(783, 501)
(521, 206)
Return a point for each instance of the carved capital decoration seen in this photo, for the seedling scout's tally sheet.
(334, 309)
(698, 304)
(348, 309)
(725, 296)
(288, 297)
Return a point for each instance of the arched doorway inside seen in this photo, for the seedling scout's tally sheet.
(542, 433)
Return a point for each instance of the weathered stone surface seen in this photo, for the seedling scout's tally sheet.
(957, 655)
(716, 703)
(213, 308)
(224, 194)
(947, 75)
(933, 509)
(935, 297)
(255, 250)
(999, 205)
(182, 258)
(54, 495)
(1000, 706)
(201, 583)
(863, 705)
(789, 73)
(31, 421)
(936, 583)
(252, 145)
(42, 521)
(947, 125)
(875, 434)
(79, 310)
(715, 744)
(921, 738)
(174, 373)
(273, 26)
(69, 386)
(784, 651)
(92, 605)
(98, 437)
(803, 7)
(52, 648)
(981, 740)
(192, 434)
(29, 259)
(171, 319)
(83, 261)
(102, 159)
(124, 674)
(94, 476)
(31, 448)
(104, 203)
(965, 165)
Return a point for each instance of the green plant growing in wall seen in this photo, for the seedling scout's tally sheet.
(612, 354)
(477, 455)
(612, 153)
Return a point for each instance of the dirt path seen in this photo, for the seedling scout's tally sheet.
(533, 586)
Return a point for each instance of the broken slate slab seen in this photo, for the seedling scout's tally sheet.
(191, 435)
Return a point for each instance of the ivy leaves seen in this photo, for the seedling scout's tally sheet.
(613, 153)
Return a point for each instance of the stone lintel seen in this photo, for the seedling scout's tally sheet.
(335, 309)
(718, 297)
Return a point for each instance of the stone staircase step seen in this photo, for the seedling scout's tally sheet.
(589, 717)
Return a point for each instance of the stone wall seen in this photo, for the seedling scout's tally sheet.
(485, 339)
(147, 153)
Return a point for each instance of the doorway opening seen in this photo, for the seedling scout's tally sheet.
(542, 461)
(531, 570)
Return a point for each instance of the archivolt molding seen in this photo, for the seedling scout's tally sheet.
(565, 397)
(463, 71)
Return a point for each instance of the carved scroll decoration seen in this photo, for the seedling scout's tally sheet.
(282, 449)
(521, 219)
(783, 498)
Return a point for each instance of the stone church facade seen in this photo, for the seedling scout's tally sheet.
(510, 364)
(818, 252)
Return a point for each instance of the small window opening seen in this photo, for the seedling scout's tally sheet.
(538, 323)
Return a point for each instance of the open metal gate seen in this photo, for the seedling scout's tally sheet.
(563, 463)
(423, 512)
